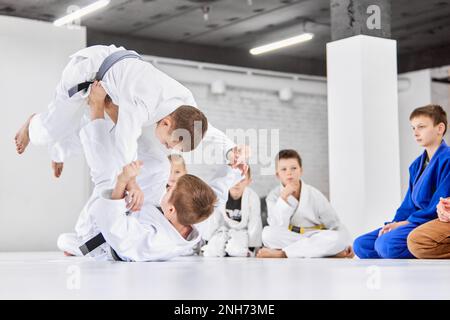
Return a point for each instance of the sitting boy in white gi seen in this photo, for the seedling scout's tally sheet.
(235, 226)
(148, 234)
(302, 223)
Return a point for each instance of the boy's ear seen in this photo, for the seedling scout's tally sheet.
(165, 122)
(441, 128)
(172, 211)
(168, 121)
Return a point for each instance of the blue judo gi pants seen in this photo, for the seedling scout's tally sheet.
(391, 245)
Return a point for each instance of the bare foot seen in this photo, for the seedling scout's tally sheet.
(346, 253)
(270, 253)
(68, 254)
(22, 137)
(57, 168)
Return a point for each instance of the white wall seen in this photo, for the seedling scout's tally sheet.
(414, 91)
(440, 92)
(34, 206)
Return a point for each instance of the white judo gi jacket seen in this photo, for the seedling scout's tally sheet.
(313, 209)
(250, 219)
(143, 93)
(146, 235)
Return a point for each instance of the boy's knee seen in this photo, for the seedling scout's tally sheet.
(418, 244)
(363, 246)
(359, 247)
(389, 248)
(270, 236)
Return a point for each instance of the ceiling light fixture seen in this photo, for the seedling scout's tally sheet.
(282, 43)
(81, 12)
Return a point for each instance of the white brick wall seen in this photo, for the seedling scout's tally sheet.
(302, 124)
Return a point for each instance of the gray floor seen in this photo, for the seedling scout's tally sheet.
(49, 275)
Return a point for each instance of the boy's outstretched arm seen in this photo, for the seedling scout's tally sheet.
(225, 178)
(129, 173)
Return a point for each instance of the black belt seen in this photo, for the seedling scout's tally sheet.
(96, 242)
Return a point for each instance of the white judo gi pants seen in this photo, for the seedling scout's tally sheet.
(229, 241)
(311, 244)
(62, 118)
(97, 144)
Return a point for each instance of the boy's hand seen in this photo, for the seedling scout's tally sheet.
(57, 168)
(443, 210)
(238, 155)
(97, 94)
(243, 167)
(135, 196)
(96, 101)
(130, 171)
(391, 226)
(290, 189)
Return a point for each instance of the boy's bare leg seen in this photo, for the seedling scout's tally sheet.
(57, 168)
(22, 137)
(270, 253)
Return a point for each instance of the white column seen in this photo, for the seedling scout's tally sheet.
(363, 131)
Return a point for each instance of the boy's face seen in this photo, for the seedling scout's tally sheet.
(425, 132)
(240, 187)
(164, 131)
(177, 169)
(288, 171)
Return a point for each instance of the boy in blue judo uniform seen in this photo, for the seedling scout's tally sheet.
(429, 181)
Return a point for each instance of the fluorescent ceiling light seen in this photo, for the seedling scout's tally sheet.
(282, 43)
(81, 12)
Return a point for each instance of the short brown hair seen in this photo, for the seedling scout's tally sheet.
(288, 154)
(185, 117)
(433, 111)
(193, 199)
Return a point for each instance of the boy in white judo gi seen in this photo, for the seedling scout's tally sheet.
(235, 226)
(148, 234)
(302, 223)
(148, 101)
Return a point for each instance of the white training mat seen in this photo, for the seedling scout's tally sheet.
(50, 275)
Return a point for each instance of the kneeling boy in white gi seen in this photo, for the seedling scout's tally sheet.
(237, 224)
(302, 223)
